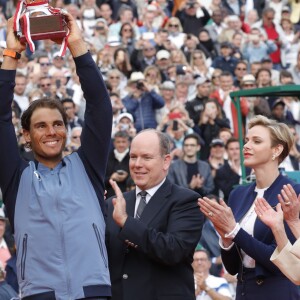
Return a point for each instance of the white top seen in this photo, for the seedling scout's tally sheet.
(219, 284)
(149, 195)
(247, 223)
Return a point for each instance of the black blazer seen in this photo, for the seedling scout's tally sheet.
(158, 263)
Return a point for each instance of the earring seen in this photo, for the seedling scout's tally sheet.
(273, 157)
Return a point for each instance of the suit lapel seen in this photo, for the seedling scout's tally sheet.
(130, 202)
(157, 201)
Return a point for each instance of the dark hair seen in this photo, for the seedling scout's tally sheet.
(231, 140)
(127, 24)
(42, 103)
(67, 100)
(263, 70)
(194, 136)
(122, 134)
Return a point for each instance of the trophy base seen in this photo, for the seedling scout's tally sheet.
(45, 27)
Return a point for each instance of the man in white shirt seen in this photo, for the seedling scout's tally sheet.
(208, 287)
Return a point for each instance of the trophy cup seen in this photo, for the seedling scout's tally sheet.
(37, 20)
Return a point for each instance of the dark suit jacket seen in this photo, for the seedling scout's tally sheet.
(158, 266)
(263, 244)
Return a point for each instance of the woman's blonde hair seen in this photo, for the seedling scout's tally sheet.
(279, 132)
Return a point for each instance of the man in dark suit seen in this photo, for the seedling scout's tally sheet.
(151, 251)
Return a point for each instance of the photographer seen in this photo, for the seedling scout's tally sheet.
(142, 102)
(187, 15)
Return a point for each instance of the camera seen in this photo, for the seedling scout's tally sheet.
(175, 125)
(57, 83)
(140, 85)
(180, 70)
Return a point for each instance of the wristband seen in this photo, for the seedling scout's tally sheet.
(11, 53)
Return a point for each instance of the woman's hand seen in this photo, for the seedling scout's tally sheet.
(220, 215)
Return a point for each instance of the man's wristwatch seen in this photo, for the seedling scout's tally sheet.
(11, 53)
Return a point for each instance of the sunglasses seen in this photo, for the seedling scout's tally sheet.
(173, 25)
(148, 49)
(45, 85)
(44, 64)
(197, 57)
(99, 27)
(127, 29)
(241, 69)
(58, 58)
(114, 77)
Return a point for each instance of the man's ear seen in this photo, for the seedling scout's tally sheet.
(26, 135)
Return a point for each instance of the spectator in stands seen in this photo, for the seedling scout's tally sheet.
(295, 70)
(290, 50)
(125, 15)
(216, 26)
(256, 105)
(254, 67)
(163, 62)
(239, 72)
(229, 175)
(175, 31)
(199, 65)
(223, 98)
(58, 64)
(72, 119)
(44, 65)
(207, 45)
(225, 134)
(190, 172)
(117, 81)
(122, 61)
(74, 142)
(208, 286)
(216, 155)
(127, 36)
(285, 77)
(100, 33)
(125, 123)
(6, 291)
(190, 20)
(118, 162)
(273, 32)
(153, 77)
(196, 106)
(191, 43)
(167, 91)
(177, 57)
(45, 86)
(19, 92)
(89, 12)
(266, 63)
(225, 61)
(264, 77)
(257, 46)
(211, 121)
(106, 13)
(143, 55)
(142, 102)
(4, 250)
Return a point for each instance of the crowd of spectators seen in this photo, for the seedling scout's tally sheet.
(171, 65)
